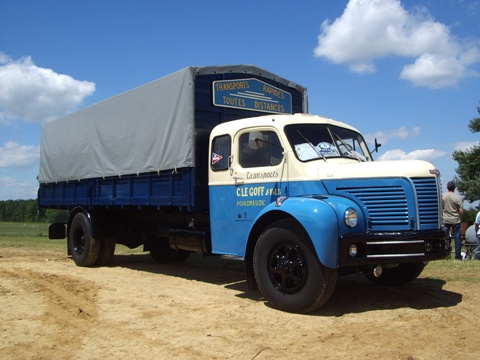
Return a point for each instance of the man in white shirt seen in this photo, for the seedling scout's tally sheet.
(452, 210)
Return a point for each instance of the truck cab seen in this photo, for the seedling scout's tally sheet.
(301, 200)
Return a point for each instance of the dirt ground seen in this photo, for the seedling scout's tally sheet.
(200, 309)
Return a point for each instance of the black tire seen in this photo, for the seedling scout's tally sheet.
(161, 252)
(83, 247)
(287, 270)
(107, 250)
(397, 275)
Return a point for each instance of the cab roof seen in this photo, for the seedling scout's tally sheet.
(278, 121)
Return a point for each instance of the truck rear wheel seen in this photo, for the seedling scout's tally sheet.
(107, 250)
(287, 271)
(400, 274)
(83, 247)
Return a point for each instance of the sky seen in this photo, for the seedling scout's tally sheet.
(404, 72)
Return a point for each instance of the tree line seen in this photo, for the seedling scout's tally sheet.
(28, 211)
(468, 171)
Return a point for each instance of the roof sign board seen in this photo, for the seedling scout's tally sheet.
(251, 94)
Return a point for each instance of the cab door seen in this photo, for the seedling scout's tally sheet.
(252, 177)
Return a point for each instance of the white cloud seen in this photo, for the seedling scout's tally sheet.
(372, 29)
(401, 133)
(434, 71)
(4, 58)
(11, 188)
(36, 94)
(427, 154)
(465, 145)
(13, 154)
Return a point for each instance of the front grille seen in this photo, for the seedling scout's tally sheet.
(387, 205)
(390, 203)
(428, 202)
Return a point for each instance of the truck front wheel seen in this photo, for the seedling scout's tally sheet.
(83, 247)
(288, 273)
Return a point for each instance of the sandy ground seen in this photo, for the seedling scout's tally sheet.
(200, 309)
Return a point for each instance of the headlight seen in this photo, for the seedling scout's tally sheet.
(351, 218)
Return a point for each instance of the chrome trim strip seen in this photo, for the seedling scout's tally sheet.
(395, 242)
(395, 255)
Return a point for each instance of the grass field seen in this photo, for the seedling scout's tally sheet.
(23, 229)
(35, 236)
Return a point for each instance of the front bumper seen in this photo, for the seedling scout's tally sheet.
(394, 247)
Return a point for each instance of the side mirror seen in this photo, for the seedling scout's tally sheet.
(377, 146)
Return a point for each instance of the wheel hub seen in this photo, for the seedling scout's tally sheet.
(287, 268)
(79, 242)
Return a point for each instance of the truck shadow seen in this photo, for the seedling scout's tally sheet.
(353, 293)
(208, 269)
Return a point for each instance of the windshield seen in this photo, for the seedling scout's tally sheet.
(322, 141)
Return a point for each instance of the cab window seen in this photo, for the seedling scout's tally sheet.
(260, 148)
(221, 151)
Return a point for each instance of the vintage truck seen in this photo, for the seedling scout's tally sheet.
(226, 160)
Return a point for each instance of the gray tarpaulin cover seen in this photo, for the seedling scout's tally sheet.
(149, 128)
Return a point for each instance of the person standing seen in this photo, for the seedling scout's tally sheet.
(476, 254)
(452, 210)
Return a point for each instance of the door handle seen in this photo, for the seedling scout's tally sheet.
(238, 180)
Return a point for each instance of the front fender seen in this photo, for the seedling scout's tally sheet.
(323, 219)
(320, 221)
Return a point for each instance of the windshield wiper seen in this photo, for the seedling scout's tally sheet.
(352, 154)
(319, 153)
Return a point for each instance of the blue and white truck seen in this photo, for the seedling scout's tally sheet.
(226, 160)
